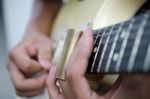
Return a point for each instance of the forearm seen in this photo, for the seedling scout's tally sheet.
(44, 13)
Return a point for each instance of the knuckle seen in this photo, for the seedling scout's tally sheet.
(26, 68)
(46, 48)
(12, 52)
(18, 87)
(15, 50)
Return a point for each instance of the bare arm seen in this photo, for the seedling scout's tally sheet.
(44, 13)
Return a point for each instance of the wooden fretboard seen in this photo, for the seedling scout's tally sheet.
(122, 48)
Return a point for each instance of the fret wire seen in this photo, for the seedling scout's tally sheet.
(104, 49)
(146, 66)
(96, 37)
(113, 32)
(136, 44)
(121, 53)
(99, 31)
(95, 34)
(95, 40)
(113, 48)
(126, 21)
(97, 50)
(105, 33)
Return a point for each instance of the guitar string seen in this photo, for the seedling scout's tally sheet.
(97, 50)
(105, 34)
(113, 48)
(121, 52)
(136, 44)
(104, 49)
(147, 62)
(148, 13)
(108, 34)
(114, 32)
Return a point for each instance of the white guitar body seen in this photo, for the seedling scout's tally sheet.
(77, 13)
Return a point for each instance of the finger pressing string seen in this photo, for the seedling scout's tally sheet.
(77, 67)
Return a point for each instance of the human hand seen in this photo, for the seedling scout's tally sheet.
(126, 87)
(84, 51)
(30, 56)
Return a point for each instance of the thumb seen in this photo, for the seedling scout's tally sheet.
(45, 56)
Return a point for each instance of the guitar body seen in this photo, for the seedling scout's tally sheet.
(102, 12)
(76, 14)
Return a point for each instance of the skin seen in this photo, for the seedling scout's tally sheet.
(29, 56)
(77, 87)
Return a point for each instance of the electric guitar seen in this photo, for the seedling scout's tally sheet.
(121, 36)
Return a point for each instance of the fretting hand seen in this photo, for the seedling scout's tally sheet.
(76, 85)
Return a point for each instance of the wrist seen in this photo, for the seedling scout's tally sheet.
(34, 34)
(43, 17)
(34, 28)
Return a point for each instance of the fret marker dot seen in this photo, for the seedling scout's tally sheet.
(95, 49)
(122, 34)
(115, 57)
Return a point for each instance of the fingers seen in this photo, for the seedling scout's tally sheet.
(77, 67)
(44, 55)
(23, 84)
(53, 89)
(29, 93)
(81, 53)
(32, 52)
(23, 61)
(66, 90)
(28, 58)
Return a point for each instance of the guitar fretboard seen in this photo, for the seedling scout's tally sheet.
(122, 48)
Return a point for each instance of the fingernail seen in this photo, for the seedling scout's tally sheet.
(46, 64)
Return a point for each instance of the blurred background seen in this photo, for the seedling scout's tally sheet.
(14, 16)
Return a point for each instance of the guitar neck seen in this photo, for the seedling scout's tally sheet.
(122, 48)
